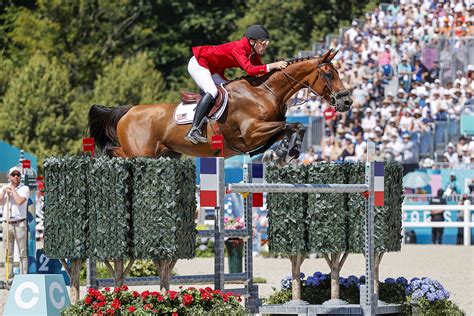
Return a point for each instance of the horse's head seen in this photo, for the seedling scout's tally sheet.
(328, 84)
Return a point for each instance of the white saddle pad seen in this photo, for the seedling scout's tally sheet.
(184, 113)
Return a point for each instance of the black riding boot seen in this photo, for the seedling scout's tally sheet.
(202, 109)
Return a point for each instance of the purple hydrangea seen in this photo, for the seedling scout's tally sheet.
(432, 290)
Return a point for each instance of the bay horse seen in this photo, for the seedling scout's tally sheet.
(253, 121)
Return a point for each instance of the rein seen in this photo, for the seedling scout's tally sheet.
(333, 96)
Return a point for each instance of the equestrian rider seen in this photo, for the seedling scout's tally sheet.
(208, 64)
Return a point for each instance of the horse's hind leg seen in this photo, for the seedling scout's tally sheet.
(117, 152)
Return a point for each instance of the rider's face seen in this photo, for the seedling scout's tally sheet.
(260, 46)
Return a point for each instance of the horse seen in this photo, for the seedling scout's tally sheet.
(252, 122)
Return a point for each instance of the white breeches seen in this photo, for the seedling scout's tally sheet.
(203, 77)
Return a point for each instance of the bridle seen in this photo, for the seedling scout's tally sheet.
(334, 95)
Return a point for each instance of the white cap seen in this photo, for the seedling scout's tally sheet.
(437, 81)
(417, 111)
(401, 90)
(451, 145)
(12, 169)
(369, 110)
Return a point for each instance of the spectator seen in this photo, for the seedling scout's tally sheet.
(309, 156)
(437, 216)
(462, 145)
(405, 74)
(369, 121)
(451, 155)
(14, 200)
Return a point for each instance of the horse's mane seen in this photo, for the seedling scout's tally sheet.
(256, 81)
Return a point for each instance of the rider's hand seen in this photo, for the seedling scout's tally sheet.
(277, 65)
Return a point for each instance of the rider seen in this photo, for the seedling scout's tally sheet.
(207, 67)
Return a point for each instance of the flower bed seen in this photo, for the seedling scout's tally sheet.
(190, 301)
(419, 296)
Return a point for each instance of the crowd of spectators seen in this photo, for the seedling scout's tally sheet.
(393, 45)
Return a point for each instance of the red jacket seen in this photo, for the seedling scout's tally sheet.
(230, 55)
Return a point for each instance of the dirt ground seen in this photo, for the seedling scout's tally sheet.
(453, 266)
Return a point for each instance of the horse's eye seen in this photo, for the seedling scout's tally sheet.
(328, 75)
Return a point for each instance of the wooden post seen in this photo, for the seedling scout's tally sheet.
(296, 262)
(165, 268)
(74, 275)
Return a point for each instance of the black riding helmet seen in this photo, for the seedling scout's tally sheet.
(257, 32)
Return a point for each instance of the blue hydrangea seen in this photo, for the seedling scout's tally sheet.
(431, 297)
(324, 277)
(317, 274)
(426, 288)
(414, 279)
(362, 279)
(352, 279)
(417, 294)
(401, 280)
(286, 283)
(302, 275)
(389, 281)
(312, 281)
(343, 281)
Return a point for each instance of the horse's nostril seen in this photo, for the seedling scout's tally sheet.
(348, 101)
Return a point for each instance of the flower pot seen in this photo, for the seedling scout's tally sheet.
(235, 247)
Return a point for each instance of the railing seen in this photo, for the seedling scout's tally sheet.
(467, 224)
(453, 198)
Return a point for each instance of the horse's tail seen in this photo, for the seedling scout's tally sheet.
(103, 124)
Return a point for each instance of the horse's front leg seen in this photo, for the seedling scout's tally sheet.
(297, 131)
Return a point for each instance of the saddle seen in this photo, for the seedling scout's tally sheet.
(188, 97)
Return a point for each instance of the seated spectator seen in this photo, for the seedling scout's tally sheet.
(409, 150)
(368, 122)
(349, 151)
(309, 156)
(406, 121)
(451, 155)
(462, 145)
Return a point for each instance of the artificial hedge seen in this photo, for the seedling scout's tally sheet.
(119, 208)
(287, 219)
(66, 209)
(331, 222)
(163, 208)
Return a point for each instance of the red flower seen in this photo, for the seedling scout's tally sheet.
(91, 291)
(131, 309)
(225, 297)
(124, 287)
(107, 289)
(174, 314)
(208, 289)
(135, 294)
(116, 303)
(206, 296)
(147, 306)
(117, 290)
(102, 304)
(101, 298)
(191, 288)
(187, 299)
(88, 300)
(160, 298)
(173, 294)
(145, 295)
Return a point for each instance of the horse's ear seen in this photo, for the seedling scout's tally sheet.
(333, 54)
(325, 56)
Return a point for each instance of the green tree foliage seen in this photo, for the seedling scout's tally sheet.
(129, 81)
(36, 115)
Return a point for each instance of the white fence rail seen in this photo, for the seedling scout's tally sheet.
(466, 224)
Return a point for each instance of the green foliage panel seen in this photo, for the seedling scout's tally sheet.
(163, 208)
(119, 208)
(287, 231)
(110, 201)
(332, 222)
(327, 219)
(66, 211)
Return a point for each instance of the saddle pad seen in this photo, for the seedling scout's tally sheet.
(184, 112)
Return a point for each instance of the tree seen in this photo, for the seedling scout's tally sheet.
(36, 115)
(129, 81)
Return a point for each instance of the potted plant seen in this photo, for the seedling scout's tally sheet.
(234, 246)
